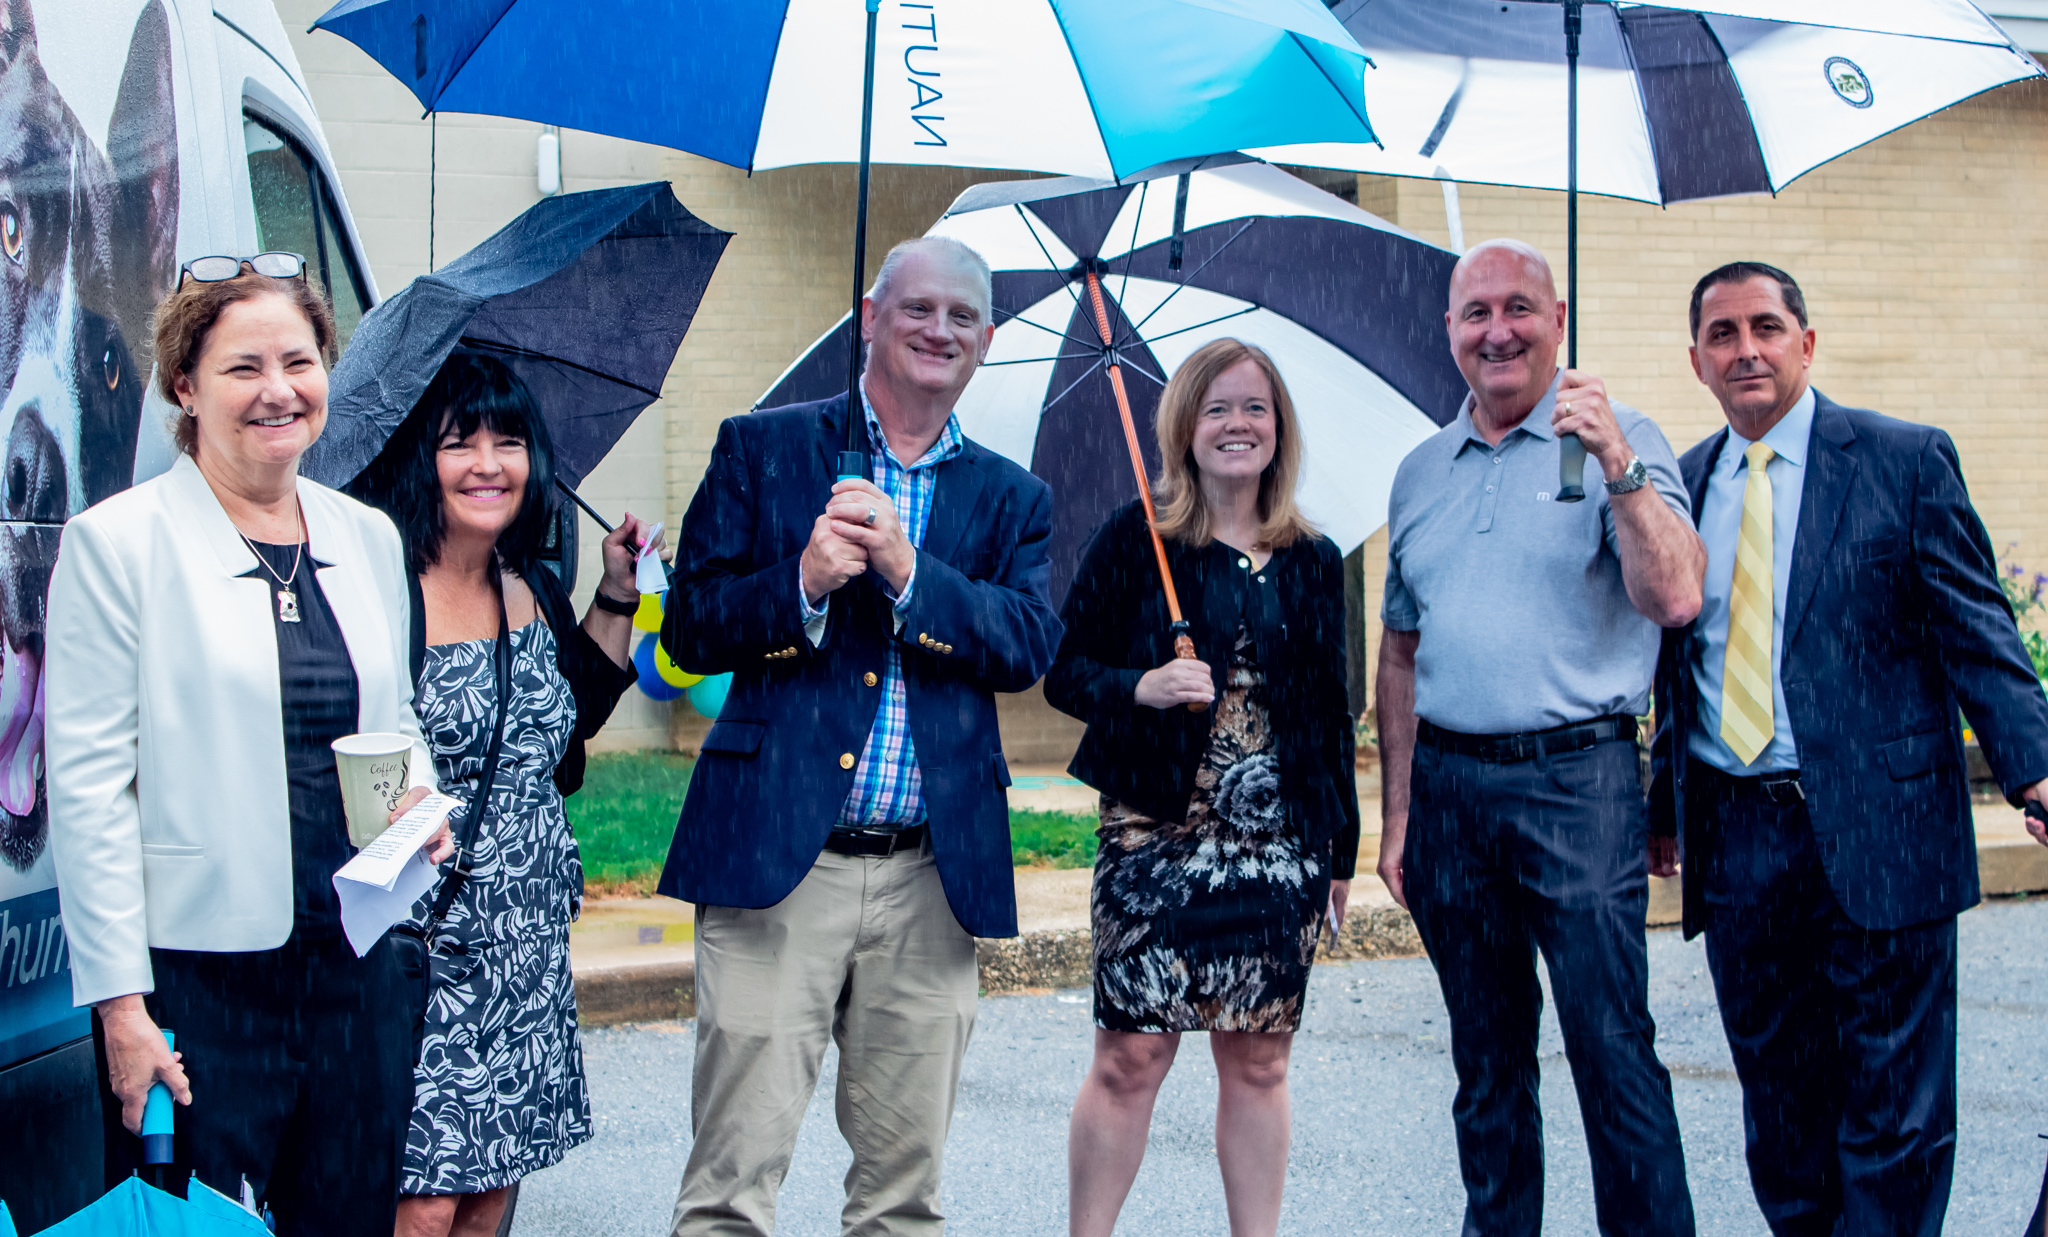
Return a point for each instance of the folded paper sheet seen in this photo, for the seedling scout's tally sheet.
(648, 574)
(379, 886)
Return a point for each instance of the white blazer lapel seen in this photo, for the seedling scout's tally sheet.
(194, 505)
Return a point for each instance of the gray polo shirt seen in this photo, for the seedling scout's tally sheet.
(1525, 621)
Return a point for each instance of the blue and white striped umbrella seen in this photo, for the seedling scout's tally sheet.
(1098, 88)
(1350, 307)
(1679, 101)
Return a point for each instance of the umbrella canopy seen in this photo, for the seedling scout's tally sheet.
(1092, 87)
(1678, 101)
(1350, 307)
(586, 297)
(133, 1209)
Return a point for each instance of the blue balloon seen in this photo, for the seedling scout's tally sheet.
(707, 695)
(651, 682)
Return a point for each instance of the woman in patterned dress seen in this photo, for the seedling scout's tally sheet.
(499, 1089)
(1228, 834)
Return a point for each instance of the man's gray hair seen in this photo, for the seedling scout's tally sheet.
(946, 249)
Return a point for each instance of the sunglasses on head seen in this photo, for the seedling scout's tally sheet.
(214, 268)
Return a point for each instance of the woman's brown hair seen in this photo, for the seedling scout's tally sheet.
(187, 316)
(1183, 512)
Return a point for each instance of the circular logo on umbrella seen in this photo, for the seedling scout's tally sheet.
(1849, 81)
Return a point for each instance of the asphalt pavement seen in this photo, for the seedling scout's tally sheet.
(1372, 1083)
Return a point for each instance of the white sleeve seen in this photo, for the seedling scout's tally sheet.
(92, 694)
(814, 616)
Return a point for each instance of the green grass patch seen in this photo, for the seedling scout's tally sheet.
(1052, 839)
(625, 817)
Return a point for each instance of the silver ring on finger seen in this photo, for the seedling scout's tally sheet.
(870, 521)
(1567, 409)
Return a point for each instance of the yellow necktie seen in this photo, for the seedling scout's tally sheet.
(1746, 724)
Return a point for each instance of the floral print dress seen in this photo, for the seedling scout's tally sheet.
(1210, 923)
(499, 1091)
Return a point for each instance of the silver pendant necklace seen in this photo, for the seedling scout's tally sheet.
(287, 599)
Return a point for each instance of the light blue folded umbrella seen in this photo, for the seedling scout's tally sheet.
(133, 1209)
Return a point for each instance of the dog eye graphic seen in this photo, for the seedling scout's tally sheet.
(10, 232)
(110, 367)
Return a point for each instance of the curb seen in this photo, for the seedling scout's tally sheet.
(608, 996)
(1063, 958)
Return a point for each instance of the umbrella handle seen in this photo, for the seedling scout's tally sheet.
(1184, 650)
(158, 1118)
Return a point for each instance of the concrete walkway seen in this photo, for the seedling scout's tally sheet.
(1373, 1149)
(633, 957)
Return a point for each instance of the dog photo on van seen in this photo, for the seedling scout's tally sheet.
(88, 235)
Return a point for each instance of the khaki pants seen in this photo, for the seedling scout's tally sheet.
(867, 951)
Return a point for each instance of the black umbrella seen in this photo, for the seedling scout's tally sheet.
(1102, 289)
(585, 296)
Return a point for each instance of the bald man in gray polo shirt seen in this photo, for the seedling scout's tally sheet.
(1521, 636)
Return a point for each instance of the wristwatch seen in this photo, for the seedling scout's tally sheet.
(1632, 478)
(612, 605)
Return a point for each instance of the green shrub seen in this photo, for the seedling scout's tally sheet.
(625, 817)
(1052, 839)
(2025, 596)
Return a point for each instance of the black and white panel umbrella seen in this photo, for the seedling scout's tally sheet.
(1684, 100)
(1350, 307)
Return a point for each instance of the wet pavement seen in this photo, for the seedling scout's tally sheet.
(1372, 1083)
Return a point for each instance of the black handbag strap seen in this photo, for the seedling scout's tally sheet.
(472, 818)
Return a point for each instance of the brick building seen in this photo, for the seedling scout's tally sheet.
(1924, 256)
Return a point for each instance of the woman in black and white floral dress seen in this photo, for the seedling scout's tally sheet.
(499, 1089)
(1228, 835)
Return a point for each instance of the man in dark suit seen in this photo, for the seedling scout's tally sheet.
(846, 833)
(1810, 758)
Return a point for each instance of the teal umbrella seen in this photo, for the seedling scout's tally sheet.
(133, 1209)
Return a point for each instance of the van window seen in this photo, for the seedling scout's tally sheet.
(295, 212)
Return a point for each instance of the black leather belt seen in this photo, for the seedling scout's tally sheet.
(1508, 748)
(875, 843)
(1779, 788)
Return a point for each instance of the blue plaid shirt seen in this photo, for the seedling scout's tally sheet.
(888, 789)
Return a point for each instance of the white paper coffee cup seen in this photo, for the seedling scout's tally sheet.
(375, 771)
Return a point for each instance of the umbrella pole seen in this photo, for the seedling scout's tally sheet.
(1571, 453)
(853, 462)
(1183, 644)
(588, 510)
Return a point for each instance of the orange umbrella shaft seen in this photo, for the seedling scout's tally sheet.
(1183, 646)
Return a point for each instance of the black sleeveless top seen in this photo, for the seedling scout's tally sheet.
(318, 682)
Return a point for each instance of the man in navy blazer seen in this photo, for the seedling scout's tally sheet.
(846, 833)
(1809, 756)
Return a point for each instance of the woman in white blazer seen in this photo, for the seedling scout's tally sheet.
(210, 632)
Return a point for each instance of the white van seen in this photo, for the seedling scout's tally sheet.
(138, 134)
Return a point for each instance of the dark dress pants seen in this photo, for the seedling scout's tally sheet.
(300, 1060)
(1504, 859)
(1844, 1037)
